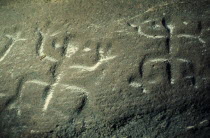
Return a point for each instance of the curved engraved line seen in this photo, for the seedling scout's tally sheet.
(191, 37)
(17, 94)
(14, 40)
(92, 68)
(40, 47)
(73, 87)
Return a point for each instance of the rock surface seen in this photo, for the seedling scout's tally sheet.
(100, 68)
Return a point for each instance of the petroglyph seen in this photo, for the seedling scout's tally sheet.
(135, 84)
(190, 127)
(69, 76)
(102, 56)
(51, 91)
(183, 60)
(171, 28)
(156, 72)
(148, 21)
(49, 39)
(92, 68)
(38, 82)
(87, 49)
(171, 70)
(185, 23)
(50, 59)
(11, 101)
(65, 86)
(149, 36)
(71, 50)
(204, 122)
(75, 88)
(50, 45)
(46, 94)
(191, 37)
(157, 60)
(40, 47)
(14, 39)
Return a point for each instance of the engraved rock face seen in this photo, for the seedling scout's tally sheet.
(138, 74)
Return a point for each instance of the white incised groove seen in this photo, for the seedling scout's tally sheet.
(190, 127)
(187, 36)
(56, 33)
(94, 67)
(147, 21)
(87, 49)
(171, 27)
(38, 82)
(51, 92)
(145, 91)
(152, 82)
(50, 59)
(71, 50)
(172, 81)
(203, 122)
(135, 84)
(14, 40)
(157, 60)
(73, 87)
(191, 37)
(183, 60)
(185, 23)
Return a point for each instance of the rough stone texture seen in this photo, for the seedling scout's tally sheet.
(99, 68)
